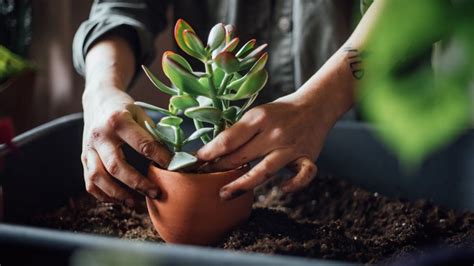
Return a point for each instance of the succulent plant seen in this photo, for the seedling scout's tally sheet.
(208, 98)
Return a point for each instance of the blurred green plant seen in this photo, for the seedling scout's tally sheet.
(419, 110)
(11, 65)
(232, 76)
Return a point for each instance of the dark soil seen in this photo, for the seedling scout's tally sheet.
(330, 219)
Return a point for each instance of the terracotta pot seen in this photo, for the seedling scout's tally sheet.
(190, 210)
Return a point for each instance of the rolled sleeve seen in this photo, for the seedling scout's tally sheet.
(138, 22)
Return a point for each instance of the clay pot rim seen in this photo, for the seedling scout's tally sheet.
(209, 175)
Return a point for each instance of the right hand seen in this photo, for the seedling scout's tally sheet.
(110, 120)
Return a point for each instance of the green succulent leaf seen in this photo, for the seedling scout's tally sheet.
(171, 121)
(246, 48)
(247, 63)
(153, 108)
(180, 60)
(260, 64)
(204, 101)
(152, 131)
(257, 52)
(252, 85)
(179, 28)
(216, 36)
(206, 114)
(229, 32)
(236, 84)
(181, 160)
(230, 47)
(230, 114)
(199, 133)
(183, 102)
(158, 84)
(166, 133)
(182, 78)
(227, 61)
(193, 42)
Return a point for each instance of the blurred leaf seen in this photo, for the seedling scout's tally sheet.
(183, 102)
(216, 36)
(158, 84)
(180, 60)
(227, 61)
(166, 133)
(256, 53)
(181, 160)
(205, 114)
(204, 101)
(199, 133)
(11, 64)
(416, 112)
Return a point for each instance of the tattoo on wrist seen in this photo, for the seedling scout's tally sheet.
(354, 57)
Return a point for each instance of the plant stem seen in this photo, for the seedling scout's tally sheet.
(204, 138)
(216, 102)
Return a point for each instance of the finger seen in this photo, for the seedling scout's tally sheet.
(248, 152)
(113, 160)
(264, 170)
(305, 172)
(99, 183)
(228, 140)
(139, 139)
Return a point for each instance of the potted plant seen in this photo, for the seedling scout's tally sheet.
(190, 210)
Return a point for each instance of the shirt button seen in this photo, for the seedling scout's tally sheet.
(284, 24)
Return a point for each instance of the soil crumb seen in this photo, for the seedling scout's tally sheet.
(329, 219)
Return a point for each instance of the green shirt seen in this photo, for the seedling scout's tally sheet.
(302, 34)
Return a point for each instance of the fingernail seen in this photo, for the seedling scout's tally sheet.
(129, 202)
(152, 193)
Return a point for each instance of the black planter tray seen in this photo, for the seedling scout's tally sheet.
(48, 171)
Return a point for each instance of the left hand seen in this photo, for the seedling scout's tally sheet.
(285, 132)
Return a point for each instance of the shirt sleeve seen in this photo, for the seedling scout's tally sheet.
(137, 21)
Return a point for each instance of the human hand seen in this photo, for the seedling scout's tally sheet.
(286, 132)
(110, 120)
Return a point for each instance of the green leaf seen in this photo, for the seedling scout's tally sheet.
(206, 114)
(230, 47)
(257, 52)
(166, 133)
(204, 101)
(230, 114)
(153, 108)
(180, 60)
(236, 84)
(152, 131)
(171, 121)
(158, 84)
(183, 102)
(193, 42)
(260, 64)
(216, 36)
(182, 78)
(246, 49)
(218, 76)
(252, 84)
(247, 63)
(199, 133)
(181, 160)
(229, 33)
(228, 62)
(179, 28)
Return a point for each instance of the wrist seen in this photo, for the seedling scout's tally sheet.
(330, 92)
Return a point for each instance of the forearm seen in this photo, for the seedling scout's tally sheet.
(333, 86)
(110, 64)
